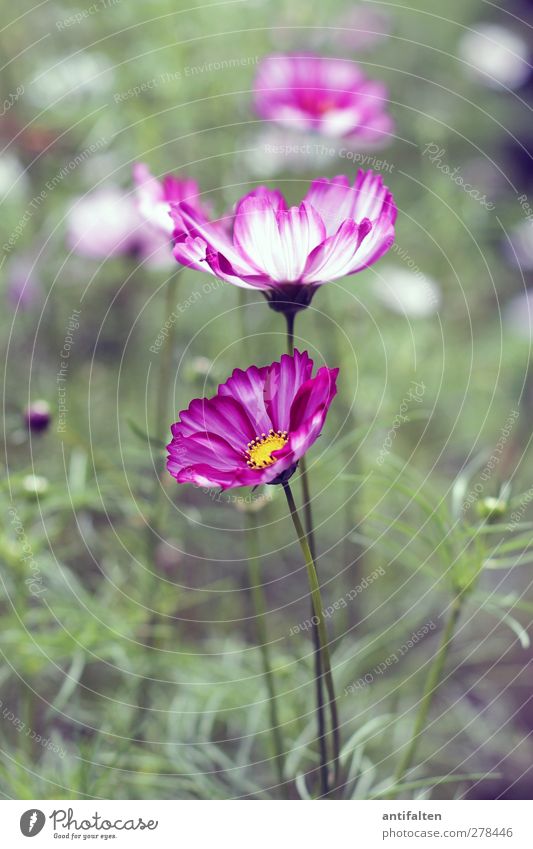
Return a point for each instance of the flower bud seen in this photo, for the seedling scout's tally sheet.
(35, 485)
(38, 416)
(491, 508)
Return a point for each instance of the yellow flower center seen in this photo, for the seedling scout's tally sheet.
(259, 450)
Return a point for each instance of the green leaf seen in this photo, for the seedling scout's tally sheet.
(145, 437)
(431, 782)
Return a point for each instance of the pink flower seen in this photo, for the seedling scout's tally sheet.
(337, 230)
(24, 287)
(329, 96)
(257, 427)
(105, 223)
(154, 197)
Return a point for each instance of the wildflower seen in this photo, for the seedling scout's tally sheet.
(257, 427)
(337, 230)
(153, 197)
(331, 97)
(38, 416)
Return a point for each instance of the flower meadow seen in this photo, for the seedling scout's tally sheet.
(267, 487)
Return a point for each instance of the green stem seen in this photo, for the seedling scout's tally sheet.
(289, 318)
(430, 688)
(165, 365)
(161, 425)
(243, 330)
(258, 597)
(321, 628)
(309, 527)
(161, 421)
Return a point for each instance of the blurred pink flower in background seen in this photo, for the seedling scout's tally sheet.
(24, 287)
(153, 197)
(338, 230)
(331, 97)
(106, 223)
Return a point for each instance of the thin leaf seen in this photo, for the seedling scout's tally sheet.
(145, 437)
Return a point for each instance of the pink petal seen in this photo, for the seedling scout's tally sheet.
(276, 243)
(281, 385)
(314, 394)
(335, 257)
(203, 447)
(247, 388)
(221, 415)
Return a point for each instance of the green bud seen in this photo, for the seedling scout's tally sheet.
(491, 508)
(35, 485)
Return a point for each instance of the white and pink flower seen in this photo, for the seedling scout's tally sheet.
(287, 253)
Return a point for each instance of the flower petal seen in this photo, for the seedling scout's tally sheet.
(247, 388)
(335, 257)
(276, 243)
(221, 415)
(337, 201)
(281, 385)
(210, 441)
(203, 447)
(312, 395)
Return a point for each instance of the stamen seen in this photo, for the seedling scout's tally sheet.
(259, 451)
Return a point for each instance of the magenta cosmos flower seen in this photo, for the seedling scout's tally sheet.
(337, 230)
(257, 427)
(154, 197)
(331, 97)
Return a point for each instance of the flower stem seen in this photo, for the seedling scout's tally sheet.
(289, 318)
(161, 430)
(309, 528)
(430, 688)
(258, 597)
(321, 629)
(165, 367)
(156, 521)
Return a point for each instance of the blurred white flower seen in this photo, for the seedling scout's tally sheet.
(519, 248)
(495, 55)
(35, 485)
(74, 78)
(13, 179)
(408, 293)
(518, 314)
(106, 223)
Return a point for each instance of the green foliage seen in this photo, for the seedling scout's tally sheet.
(103, 610)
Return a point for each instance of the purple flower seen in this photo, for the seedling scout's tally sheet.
(24, 287)
(154, 197)
(257, 427)
(337, 230)
(38, 416)
(332, 97)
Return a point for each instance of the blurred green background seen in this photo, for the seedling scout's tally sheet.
(133, 654)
